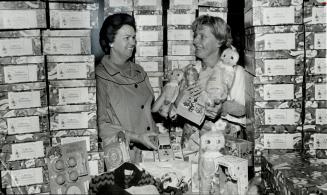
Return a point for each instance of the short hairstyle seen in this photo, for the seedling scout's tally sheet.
(110, 27)
(219, 28)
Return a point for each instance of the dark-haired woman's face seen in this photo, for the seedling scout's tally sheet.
(205, 42)
(124, 42)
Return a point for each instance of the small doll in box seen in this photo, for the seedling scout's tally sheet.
(169, 93)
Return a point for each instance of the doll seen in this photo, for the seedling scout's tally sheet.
(169, 93)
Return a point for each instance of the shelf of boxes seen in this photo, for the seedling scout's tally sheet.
(117, 6)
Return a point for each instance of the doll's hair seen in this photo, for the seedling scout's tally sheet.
(110, 27)
(219, 28)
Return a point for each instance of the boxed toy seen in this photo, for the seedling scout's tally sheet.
(315, 36)
(271, 3)
(314, 14)
(149, 49)
(165, 150)
(22, 69)
(150, 64)
(22, 15)
(316, 66)
(316, 90)
(148, 17)
(21, 164)
(182, 4)
(180, 16)
(288, 116)
(277, 92)
(66, 42)
(27, 95)
(20, 43)
(149, 33)
(73, 15)
(213, 3)
(73, 117)
(179, 33)
(72, 92)
(214, 11)
(282, 141)
(271, 38)
(180, 48)
(240, 148)
(232, 173)
(261, 16)
(68, 168)
(117, 6)
(147, 5)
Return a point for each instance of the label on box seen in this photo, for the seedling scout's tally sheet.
(279, 67)
(65, 45)
(71, 70)
(279, 116)
(67, 140)
(148, 3)
(278, 92)
(318, 15)
(93, 167)
(150, 66)
(149, 51)
(321, 91)
(16, 47)
(24, 99)
(279, 141)
(73, 121)
(282, 41)
(321, 116)
(23, 125)
(12, 19)
(28, 150)
(25, 177)
(154, 81)
(320, 40)
(320, 141)
(320, 66)
(74, 19)
(183, 2)
(278, 15)
(181, 50)
(73, 95)
(119, 3)
(180, 19)
(148, 20)
(16, 74)
(148, 35)
(180, 35)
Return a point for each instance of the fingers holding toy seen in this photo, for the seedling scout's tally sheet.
(147, 140)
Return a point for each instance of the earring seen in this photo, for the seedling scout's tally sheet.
(111, 45)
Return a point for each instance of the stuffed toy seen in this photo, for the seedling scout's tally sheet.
(211, 144)
(169, 93)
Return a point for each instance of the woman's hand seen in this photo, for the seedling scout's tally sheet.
(145, 139)
(195, 90)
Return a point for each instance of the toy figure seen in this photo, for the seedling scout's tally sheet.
(169, 93)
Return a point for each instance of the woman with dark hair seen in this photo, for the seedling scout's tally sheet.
(124, 93)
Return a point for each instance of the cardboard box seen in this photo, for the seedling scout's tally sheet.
(31, 189)
(22, 164)
(288, 116)
(148, 17)
(116, 6)
(149, 33)
(150, 64)
(173, 62)
(261, 16)
(183, 4)
(314, 14)
(316, 66)
(282, 141)
(70, 67)
(214, 11)
(22, 15)
(22, 69)
(180, 16)
(233, 174)
(316, 91)
(271, 3)
(66, 42)
(315, 116)
(315, 37)
(96, 163)
(73, 117)
(272, 38)
(240, 148)
(180, 48)
(27, 95)
(278, 92)
(147, 5)
(73, 15)
(179, 33)
(151, 49)
(213, 3)
(20, 43)
(70, 92)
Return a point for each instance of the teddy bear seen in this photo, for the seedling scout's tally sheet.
(169, 93)
(211, 144)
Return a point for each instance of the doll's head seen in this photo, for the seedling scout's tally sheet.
(230, 56)
(175, 75)
(191, 75)
(212, 141)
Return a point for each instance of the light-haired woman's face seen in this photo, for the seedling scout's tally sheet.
(205, 42)
(124, 42)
